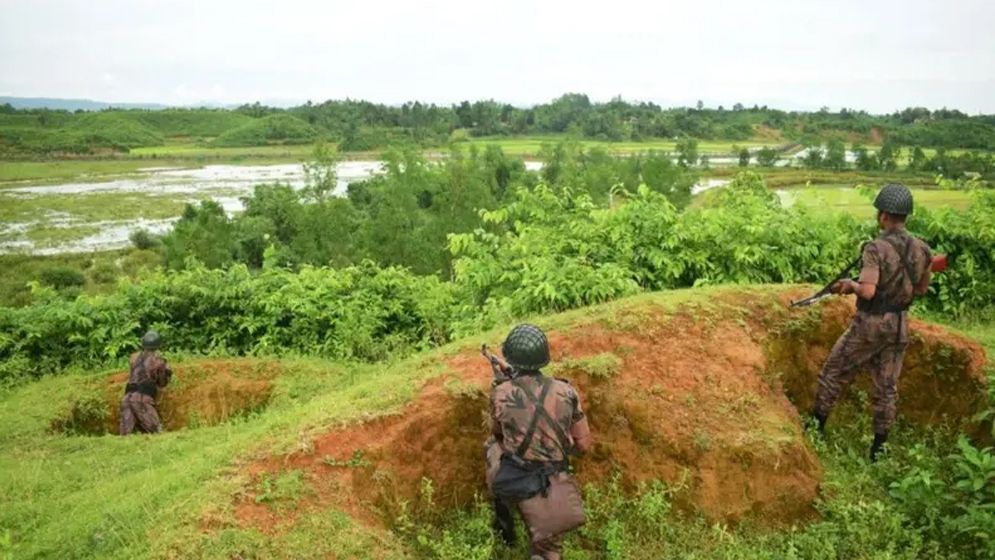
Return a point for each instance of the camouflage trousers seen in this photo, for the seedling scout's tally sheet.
(875, 343)
(138, 411)
(548, 548)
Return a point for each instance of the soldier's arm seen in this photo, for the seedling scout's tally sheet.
(495, 424)
(923, 285)
(870, 272)
(163, 373)
(580, 431)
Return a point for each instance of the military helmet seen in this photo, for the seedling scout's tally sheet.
(526, 348)
(151, 340)
(894, 199)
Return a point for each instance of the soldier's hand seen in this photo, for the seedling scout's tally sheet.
(842, 287)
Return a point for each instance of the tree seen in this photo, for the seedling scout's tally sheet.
(835, 157)
(687, 151)
(864, 160)
(700, 105)
(813, 157)
(919, 160)
(744, 157)
(767, 157)
(887, 155)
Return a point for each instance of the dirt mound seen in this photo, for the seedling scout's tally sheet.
(202, 393)
(685, 394)
(942, 380)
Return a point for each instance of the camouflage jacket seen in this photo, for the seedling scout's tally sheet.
(898, 264)
(155, 371)
(512, 411)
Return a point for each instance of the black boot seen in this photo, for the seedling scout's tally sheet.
(504, 522)
(876, 447)
(821, 419)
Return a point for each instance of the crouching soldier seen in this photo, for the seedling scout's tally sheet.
(149, 372)
(537, 423)
(895, 269)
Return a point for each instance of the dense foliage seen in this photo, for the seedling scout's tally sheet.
(246, 284)
(362, 312)
(562, 251)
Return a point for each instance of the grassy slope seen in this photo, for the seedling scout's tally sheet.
(171, 495)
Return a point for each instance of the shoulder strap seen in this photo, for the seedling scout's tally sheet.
(904, 256)
(561, 437)
(140, 366)
(530, 433)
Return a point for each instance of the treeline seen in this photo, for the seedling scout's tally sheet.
(362, 125)
(833, 155)
(356, 279)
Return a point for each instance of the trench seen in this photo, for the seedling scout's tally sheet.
(201, 394)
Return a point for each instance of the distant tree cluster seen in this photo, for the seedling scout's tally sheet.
(363, 125)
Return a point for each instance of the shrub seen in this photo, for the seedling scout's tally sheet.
(62, 277)
(143, 239)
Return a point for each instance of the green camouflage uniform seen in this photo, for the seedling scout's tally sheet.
(511, 413)
(897, 264)
(149, 372)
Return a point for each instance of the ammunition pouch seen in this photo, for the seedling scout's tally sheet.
(143, 388)
(518, 479)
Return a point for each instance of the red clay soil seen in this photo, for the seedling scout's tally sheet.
(202, 393)
(694, 403)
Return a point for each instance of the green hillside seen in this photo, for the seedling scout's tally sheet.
(189, 123)
(272, 129)
(256, 464)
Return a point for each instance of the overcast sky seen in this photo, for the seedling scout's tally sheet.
(874, 55)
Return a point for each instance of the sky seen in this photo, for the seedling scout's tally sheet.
(800, 54)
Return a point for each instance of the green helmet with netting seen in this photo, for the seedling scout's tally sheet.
(526, 348)
(151, 341)
(894, 199)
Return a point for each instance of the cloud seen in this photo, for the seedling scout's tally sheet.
(878, 56)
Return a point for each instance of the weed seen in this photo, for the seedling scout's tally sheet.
(600, 366)
(357, 461)
(702, 441)
(285, 487)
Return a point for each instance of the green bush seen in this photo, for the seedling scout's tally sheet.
(358, 313)
(62, 277)
(143, 239)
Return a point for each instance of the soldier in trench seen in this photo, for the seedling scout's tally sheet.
(149, 372)
(537, 423)
(895, 269)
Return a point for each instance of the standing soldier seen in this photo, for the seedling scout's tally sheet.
(149, 372)
(537, 423)
(895, 269)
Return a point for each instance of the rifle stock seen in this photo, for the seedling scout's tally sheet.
(502, 370)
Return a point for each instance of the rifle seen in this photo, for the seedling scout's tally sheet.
(502, 370)
(938, 264)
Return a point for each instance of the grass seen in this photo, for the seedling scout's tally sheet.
(102, 271)
(529, 146)
(841, 197)
(66, 170)
(170, 495)
(89, 497)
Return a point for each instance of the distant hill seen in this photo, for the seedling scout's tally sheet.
(72, 104)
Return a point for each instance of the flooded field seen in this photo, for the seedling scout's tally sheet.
(80, 217)
(84, 217)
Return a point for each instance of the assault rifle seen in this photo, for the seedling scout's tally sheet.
(502, 370)
(938, 264)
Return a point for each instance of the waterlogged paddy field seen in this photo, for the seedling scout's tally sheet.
(85, 216)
